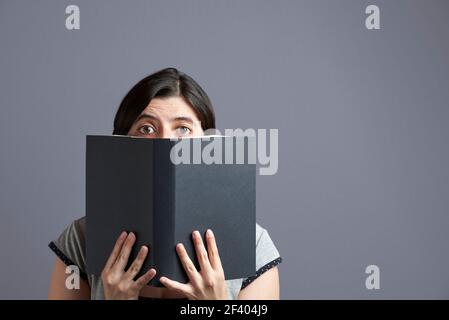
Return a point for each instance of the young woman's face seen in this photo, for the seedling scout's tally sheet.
(170, 117)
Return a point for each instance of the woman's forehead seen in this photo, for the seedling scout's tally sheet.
(169, 107)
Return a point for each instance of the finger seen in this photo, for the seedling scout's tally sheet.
(144, 279)
(122, 260)
(134, 269)
(212, 249)
(188, 265)
(201, 252)
(115, 251)
(185, 289)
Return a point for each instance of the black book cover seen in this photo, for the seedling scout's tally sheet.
(133, 185)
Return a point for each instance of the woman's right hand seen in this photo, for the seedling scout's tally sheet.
(120, 284)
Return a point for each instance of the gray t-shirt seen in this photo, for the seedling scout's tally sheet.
(70, 248)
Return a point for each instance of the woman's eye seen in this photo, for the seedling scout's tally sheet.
(147, 130)
(183, 130)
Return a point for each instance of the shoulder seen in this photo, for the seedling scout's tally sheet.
(76, 228)
(73, 234)
(259, 231)
(266, 250)
(80, 224)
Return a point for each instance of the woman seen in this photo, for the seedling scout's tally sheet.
(165, 104)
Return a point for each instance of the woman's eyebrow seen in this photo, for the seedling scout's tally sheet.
(187, 119)
(146, 116)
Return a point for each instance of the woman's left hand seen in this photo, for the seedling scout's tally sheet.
(206, 284)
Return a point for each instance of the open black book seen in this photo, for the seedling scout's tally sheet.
(162, 190)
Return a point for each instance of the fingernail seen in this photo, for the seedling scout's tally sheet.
(209, 233)
(196, 233)
(123, 234)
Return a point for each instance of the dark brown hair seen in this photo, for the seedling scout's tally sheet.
(165, 83)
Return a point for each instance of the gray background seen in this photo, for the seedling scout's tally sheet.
(362, 116)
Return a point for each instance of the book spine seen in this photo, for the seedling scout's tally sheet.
(164, 209)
